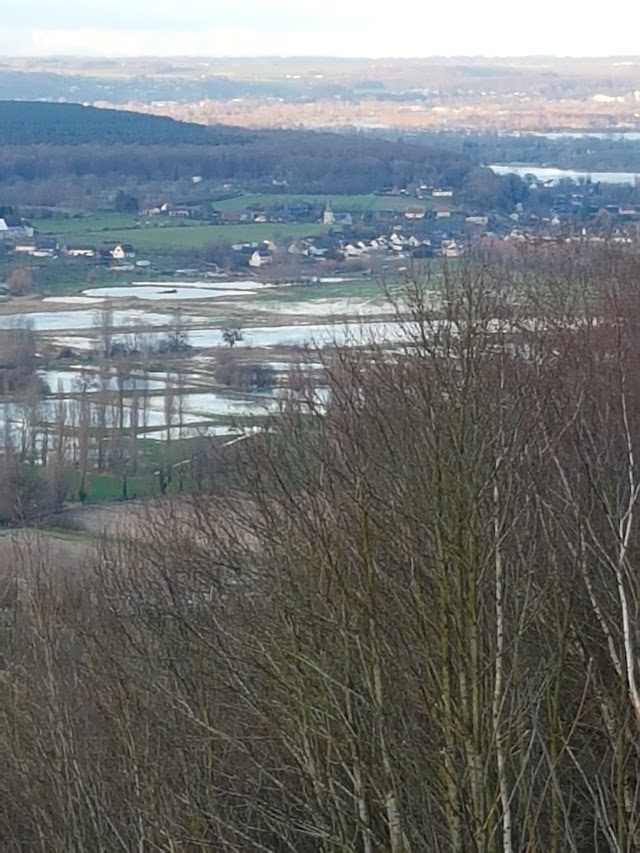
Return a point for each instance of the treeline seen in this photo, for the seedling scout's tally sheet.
(407, 625)
(613, 152)
(50, 141)
(35, 122)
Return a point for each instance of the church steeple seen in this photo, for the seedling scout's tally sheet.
(328, 217)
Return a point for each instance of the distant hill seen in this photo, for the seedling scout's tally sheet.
(38, 122)
(69, 143)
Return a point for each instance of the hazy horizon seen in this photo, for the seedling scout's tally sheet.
(283, 28)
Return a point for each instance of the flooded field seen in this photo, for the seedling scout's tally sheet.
(163, 293)
(182, 395)
(307, 335)
(52, 321)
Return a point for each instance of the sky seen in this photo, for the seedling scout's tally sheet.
(368, 28)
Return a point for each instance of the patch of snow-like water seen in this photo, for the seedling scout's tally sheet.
(234, 433)
(326, 334)
(75, 381)
(53, 321)
(331, 307)
(288, 366)
(162, 292)
(74, 300)
(212, 404)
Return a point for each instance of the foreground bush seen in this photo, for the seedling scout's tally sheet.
(411, 625)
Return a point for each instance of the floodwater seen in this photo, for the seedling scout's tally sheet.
(324, 334)
(74, 300)
(331, 307)
(547, 173)
(613, 135)
(212, 404)
(75, 381)
(288, 366)
(162, 293)
(54, 321)
(316, 335)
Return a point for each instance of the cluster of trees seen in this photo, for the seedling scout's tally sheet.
(17, 360)
(27, 123)
(116, 146)
(54, 438)
(588, 152)
(235, 373)
(409, 625)
(52, 445)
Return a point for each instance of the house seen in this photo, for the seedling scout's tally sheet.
(45, 247)
(24, 246)
(182, 212)
(295, 211)
(443, 214)
(422, 252)
(317, 252)
(298, 247)
(343, 218)
(442, 193)
(260, 258)
(12, 227)
(122, 252)
(477, 220)
(79, 250)
(415, 213)
(157, 209)
(451, 249)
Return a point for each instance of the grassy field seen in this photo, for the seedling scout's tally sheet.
(199, 236)
(63, 276)
(112, 228)
(92, 223)
(144, 484)
(338, 202)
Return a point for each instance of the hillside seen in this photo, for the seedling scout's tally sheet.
(44, 142)
(35, 122)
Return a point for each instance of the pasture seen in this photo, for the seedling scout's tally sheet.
(153, 235)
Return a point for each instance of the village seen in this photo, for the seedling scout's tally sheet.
(303, 239)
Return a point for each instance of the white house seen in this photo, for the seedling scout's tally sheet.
(450, 249)
(122, 252)
(24, 246)
(260, 258)
(415, 213)
(12, 227)
(80, 251)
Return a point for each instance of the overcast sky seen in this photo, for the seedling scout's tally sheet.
(327, 28)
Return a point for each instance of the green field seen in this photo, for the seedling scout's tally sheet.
(352, 203)
(114, 228)
(93, 223)
(152, 454)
